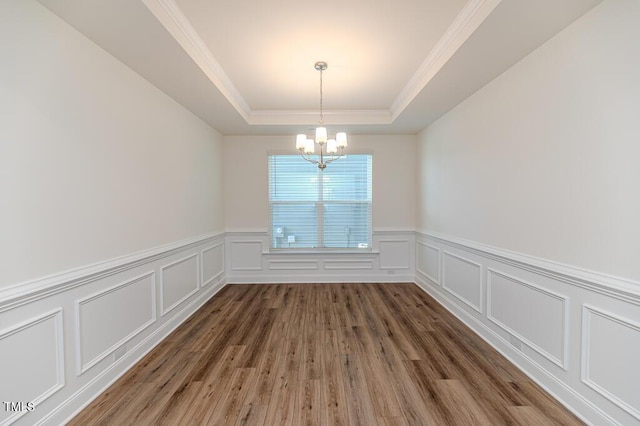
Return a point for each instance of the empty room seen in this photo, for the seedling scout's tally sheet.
(259, 212)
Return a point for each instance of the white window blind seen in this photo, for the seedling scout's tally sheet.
(313, 208)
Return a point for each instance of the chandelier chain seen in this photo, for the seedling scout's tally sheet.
(321, 112)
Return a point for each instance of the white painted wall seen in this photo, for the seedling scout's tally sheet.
(543, 161)
(246, 189)
(95, 162)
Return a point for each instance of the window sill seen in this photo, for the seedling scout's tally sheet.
(326, 251)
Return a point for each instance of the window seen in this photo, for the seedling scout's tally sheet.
(313, 208)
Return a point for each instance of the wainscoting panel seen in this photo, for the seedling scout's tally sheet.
(611, 358)
(65, 338)
(110, 318)
(178, 281)
(32, 367)
(463, 278)
(536, 316)
(391, 259)
(428, 261)
(212, 263)
(575, 332)
(348, 264)
(394, 254)
(246, 255)
(293, 265)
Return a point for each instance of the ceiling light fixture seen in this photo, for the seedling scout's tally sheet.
(335, 147)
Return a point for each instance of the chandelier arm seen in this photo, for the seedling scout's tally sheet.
(333, 158)
(308, 158)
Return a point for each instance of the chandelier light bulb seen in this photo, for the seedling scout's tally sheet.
(321, 135)
(341, 139)
(332, 146)
(301, 141)
(309, 146)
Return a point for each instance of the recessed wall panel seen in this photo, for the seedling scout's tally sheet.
(108, 319)
(534, 315)
(428, 261)
(611, 348)
(347, 264)
(394, 254)
(462, 278)
(293, 265)
(246, 255)
(179, 281)
(32, 362)
(212, 263)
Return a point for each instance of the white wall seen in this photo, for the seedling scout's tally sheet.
(246, 188)
(111, 216)
(95, 162)
(543, 160)
(527, 213)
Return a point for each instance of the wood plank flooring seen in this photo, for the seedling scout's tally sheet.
(324, 354)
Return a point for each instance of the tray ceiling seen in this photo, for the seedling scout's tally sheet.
(246, 67)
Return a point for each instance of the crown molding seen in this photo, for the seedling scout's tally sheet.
(467, 21)
(177, 24)
(310, 117)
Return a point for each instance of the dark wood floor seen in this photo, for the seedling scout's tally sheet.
(324, 354)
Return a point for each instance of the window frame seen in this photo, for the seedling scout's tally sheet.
(319, 205)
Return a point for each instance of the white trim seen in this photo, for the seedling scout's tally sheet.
(216, 276)
(40, 288)
(469, 303)
(467, 21)
(326, 264)
(56, 315)
(439, 252)
(608, 285)
(407, 242)
(587, 311)
(163, 310)
(247, 232)
(409, 232)
(82, 367)
(561, 362)
(326, 278)
(177, 24)
(304, 265)
(248, 268)
(310, 117)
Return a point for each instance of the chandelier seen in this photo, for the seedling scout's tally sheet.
(334, 147)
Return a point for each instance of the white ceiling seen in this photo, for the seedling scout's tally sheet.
(246, 66)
